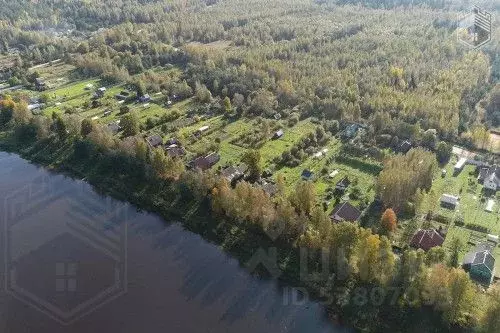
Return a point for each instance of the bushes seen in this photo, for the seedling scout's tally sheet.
(441, 218)
(477, 227)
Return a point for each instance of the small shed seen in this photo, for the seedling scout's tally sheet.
(460, 165)
(278, 134)
(489, 205)
(145, 98)
(449, 201)
(333, 173)
(201, 130)
(307, 174)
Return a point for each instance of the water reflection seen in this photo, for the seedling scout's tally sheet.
(65, 243)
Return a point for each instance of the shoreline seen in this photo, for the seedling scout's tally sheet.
(242, 241)
(191, 224)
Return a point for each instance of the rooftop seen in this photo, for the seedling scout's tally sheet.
(345, 212)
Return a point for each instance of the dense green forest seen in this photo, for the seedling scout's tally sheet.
(338, 62)
(393, 68)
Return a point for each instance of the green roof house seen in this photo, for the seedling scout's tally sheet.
(480, 264)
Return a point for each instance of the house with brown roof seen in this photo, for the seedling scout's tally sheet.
(205, 162)
(175, 151)
(345, 212)
(426, 239)
(154, 140)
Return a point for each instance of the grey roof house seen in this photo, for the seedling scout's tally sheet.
(154, 140)
(342, 184)
(175, 151)
(490, 177)
(234, 173)
(480, 264)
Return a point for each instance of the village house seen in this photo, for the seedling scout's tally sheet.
(345, 212)
(490, 177)
(100, 92)
(351, 130)
(278, 134)
(404, 147)
(234, 173)
(175, 151)
(426, 239)
(114, 127)
(154, 140)
(40, 84)
(449, 201)
(269, 187)
(145, 98)
(480, 264)
(342, 185)
(205, 162)
(201, 130)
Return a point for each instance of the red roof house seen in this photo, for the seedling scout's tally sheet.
(426, 239)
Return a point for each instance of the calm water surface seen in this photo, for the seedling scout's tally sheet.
(76, 261)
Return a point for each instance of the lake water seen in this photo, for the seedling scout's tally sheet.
(76, 261)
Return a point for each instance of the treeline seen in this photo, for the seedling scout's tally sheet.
(361, 261)
(360, 69)
(389, 4)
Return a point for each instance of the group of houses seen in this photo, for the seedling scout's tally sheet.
(489, 175)
(479, 262)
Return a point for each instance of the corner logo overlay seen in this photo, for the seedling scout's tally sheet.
(474, 27)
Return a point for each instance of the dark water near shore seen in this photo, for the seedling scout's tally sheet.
(76, 261)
